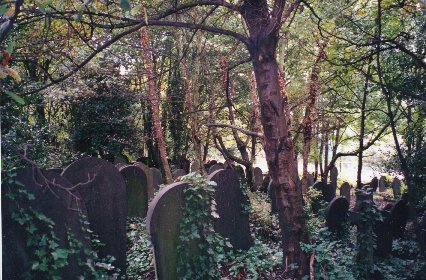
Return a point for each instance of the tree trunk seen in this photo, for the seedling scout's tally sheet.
(155, 106)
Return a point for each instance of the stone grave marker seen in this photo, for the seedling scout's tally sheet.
(195, 166)
(327, 190)
(399, 217)
(149, 177)
(384, 239)
(257, 178)
(374, 184)
(57, 205)
(265, 183)
(178, 173)
(103, 192)
(345, 191)
(382, 184)
(214, 167)
(336, 214)
(157, 179)
(137, 191)
(164, 216)
(233, 222)
(396, 187)
(241, 174)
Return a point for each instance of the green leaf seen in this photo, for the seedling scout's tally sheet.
(15, 97)
(125, 5)
(3, 8)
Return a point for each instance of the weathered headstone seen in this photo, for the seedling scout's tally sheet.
(399, 217)
(157, 179)
(382, 184)
(336, 214)
(334, 172)
(345, 191)
(374, 184)
(164, 216)
(241, 174)
(149, 177)
(195, 166)
(233, 222)
(53, 202)
(137, 191)
(257, 177)
(178, 173)
(327, 190)
(214, 167)
(103, 192)
(396, 187)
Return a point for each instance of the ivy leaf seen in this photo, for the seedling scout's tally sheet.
(15, 98)
(215, 214)
(125, 5)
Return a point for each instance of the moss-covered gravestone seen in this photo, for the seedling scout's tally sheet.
(137, 191)
(103, 192)
(52, 211)
(233, 222)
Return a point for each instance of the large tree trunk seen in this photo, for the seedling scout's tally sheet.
(155, 106)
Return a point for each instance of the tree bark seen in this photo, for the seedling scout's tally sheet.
(155, 106)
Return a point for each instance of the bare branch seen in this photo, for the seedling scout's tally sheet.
(247, 132)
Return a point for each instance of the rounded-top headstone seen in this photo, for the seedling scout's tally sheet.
(334, 172)
(257, 177)
(382, 184)
(164, 216)
(399, 217)
(53, 202)
(327, 190)
(178, 173)
(157, 179)
(345, 191)
(137, 191)
(214, 168)
(241, 174)
(396, 187)
(336, 213)
(233, 222)
(149, 177)
(103, 192)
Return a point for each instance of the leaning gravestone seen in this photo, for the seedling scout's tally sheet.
(396, 187)
(214, 167)
(399, 217)
(333, 178)
(53, 202)
(257, 177)
(233, 222)
(137, 191)
(149, 177)
(374, 184)
(103, 192)
(178, 173)
(345, 191)
(157, 179)
(164, 216)
(382, 184)
(336, 214)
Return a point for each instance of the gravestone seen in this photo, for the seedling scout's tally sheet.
(195, 166)
(233, 222)
(327, 190)
(345, 191)
(214, 167)
(310, 179)
(265, 183)
(164, 216)
(149, 177)
(384, 238)
(241, 174)
(53, 202)
(120, 166)
(382, 184)
(137, 191)
(257, 177)
(336, 214)
(374, 184)
(103, 192)
(157, 179)
(399, 217)
(396, 187)
(178, 173)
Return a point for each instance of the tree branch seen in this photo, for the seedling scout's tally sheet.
(247, 132)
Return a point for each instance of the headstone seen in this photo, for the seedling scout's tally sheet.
(327, 190)
(399, 217)
(56, 204)
(178, 173)
(382, 184)
(384, 239)
(164, 216)
(396, 187)
(241, 174)
(257, 177)
(310, 179)
(103, 192)
(233, 222)
(137, 191)
(334, 172)
(157, 179)
(195, 166)
(214, 167)
(149, 177)
(345, 191)
(336, 214)
(374, 184)
(265, 183)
